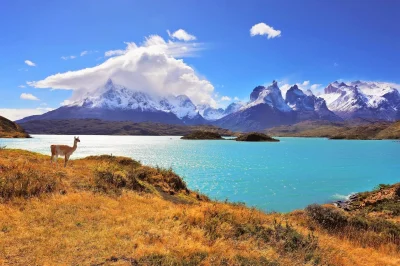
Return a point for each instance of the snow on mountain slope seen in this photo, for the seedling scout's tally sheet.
(180, 105)
(213, 114)
(270, 95)
(378, 100)
(113, 96)
(308, 106)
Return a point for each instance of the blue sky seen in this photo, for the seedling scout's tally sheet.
(319, 41)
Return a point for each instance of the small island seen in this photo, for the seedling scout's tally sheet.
(256, 136)
(202, 135)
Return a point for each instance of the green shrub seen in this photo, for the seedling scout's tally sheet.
(328, 218)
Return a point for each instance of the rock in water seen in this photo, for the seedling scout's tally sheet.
(256, 136)
(202, 135)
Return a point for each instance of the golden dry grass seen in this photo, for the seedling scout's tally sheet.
(107, 210)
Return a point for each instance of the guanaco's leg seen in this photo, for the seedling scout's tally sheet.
(66, 160)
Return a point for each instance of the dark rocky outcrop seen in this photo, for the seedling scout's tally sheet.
(256, 136)
(202, 135)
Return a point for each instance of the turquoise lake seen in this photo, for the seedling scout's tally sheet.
(279, 176)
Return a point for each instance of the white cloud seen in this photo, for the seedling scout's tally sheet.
(236, 98)
(28, 96)
(15, 114)
(152, 67)
(68, 57)
(226, 98)
(30, 63)
(264, 29)
(284, 88)
(181, 35)
(315, 86)
(114, 52)
(84, 53)
(306, 83)
(21, 86)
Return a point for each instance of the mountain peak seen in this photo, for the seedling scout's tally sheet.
(109, 83)
(256, 92)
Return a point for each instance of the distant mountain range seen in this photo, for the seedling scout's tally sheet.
(267, 107)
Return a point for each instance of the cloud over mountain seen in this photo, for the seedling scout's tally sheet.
(155, 67)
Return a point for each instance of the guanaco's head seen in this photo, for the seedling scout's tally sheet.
(76, 139)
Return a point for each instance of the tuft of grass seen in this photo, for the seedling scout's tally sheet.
(26, 182)
(374, 232)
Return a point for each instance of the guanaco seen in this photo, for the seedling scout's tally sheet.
(63, 150)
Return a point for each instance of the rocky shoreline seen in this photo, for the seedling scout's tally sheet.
(346, 204)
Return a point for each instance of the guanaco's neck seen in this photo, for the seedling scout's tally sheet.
(75, 145)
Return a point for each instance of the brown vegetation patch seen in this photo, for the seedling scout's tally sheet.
(9, 129)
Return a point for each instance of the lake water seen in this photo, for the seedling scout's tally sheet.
(270, 176)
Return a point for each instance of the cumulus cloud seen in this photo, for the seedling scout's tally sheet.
(226, 98)
(306, 83)
(264, 29)
(152, 67)
(181, 35)
(30, 63)
(28, 96)
(15, 114)
(21, 86)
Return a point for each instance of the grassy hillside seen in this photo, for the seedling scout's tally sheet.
(105, 210)
(9, 129)
(102, 127)
(340, 130)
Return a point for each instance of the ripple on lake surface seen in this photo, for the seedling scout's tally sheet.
(270, 176)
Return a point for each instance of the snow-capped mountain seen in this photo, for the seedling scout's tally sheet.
(266, 108)
(363, 99)
(213, 114)
(115, 102)
(308, 106)
(270, 95)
